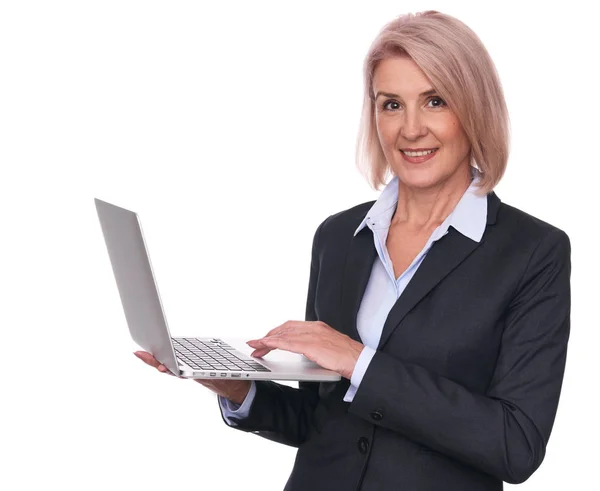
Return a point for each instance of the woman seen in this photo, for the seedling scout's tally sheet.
(445, 310)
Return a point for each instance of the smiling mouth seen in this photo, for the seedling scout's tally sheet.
(419, 153)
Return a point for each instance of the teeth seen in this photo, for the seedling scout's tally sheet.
(417, 154)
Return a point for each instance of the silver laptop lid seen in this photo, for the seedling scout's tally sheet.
(137, 286)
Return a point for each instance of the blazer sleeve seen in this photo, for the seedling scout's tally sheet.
(503, 432)
(281, 413)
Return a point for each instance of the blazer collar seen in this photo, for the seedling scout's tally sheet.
(444, 256)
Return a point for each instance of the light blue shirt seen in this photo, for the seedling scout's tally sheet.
(469, 217)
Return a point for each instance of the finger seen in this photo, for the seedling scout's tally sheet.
(285, 344)
(259, 347)
(300, 330)
(272, 332)
(285, 327)
(147, 358)
(296, 335)
(284, 330)
(294, 328)
(261, 344)
(164, 369)
(259, 353)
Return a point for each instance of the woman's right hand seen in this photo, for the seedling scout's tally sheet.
(234, 390)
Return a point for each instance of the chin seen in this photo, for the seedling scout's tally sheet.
(422, 178)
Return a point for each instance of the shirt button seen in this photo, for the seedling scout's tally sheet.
(363, 445)
(376, 415)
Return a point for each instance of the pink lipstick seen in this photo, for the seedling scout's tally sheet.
(420, 159)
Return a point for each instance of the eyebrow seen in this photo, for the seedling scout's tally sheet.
(422, 94)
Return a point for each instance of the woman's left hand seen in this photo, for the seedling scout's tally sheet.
(316, 340)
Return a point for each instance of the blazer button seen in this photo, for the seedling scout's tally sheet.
(376, 415)
(363, 445)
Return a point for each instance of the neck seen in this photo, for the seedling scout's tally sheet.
(426, 208)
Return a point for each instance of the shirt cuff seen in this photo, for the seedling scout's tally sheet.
(239, 411)
(360, 369)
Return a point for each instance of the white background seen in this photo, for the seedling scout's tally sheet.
(230, 128)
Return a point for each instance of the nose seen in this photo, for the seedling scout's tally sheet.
(413, 126)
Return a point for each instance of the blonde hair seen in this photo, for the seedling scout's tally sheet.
(462, 72)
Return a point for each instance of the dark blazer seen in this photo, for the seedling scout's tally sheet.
(463, 390)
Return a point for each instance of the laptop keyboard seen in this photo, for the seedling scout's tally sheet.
(214, 354)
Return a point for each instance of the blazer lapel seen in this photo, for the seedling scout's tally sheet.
(356, 277)
(444, 256)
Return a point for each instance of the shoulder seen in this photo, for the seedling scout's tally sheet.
(519, 238)
(526, 227)
(343, 223)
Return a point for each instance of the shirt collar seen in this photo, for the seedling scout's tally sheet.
(469, 216)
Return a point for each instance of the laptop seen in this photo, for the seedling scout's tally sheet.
(197, 357)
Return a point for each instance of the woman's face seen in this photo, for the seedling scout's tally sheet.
(409, 115)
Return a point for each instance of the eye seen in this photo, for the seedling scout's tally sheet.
(390, 105)
(439, 99)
